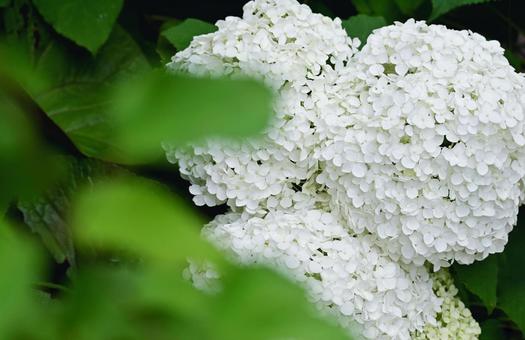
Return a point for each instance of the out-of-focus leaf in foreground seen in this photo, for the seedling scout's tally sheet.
(179, 108)
(141, 217)
(88, 23)
(99, 305)
(257, 303)
(180, 35)
(18, 271)
(47, 214)
(26, 166)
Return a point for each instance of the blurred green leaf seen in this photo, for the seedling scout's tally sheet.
(408, 7)
(4, 3)
(181, 35)
(76, 95)
(180, 108)
(100, 304)
(167, 289)
(18, 271)
(440, 7)
(142, 217)
(257, 303)
(26, 165)
(361, 25)
(362, 6)
(87, 23)
(387, 9)
(491, 330)
(481, 278)
(511, 295)
(47, 214)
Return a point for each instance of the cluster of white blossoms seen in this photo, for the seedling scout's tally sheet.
(409, 151)
(430, 157)
(296, 52)
(348, 275)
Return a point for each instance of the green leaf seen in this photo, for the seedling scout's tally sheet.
(259, 304)
(87, 23)
(76, 95)
(139, 216)
(99, 305)
(18, 270)
(492, 330)
(26, 165)
(182, 34)
(511, 295)
(440, 7)
(47, 214)
(387, 9)
(408, 7)
(481, 278)
(361, 25)
(4, 3)
(180, 108)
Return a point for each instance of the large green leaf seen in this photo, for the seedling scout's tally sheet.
(180, 35)
(76, 95)
(481, 278)
(142, 217)
(98, 306)
(88, 23)
(18, 271)
(180, 108)
(511, 295)
(47, 214)
(361, 25)
(440, 7)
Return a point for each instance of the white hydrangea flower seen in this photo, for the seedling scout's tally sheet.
(410, 150)
(347, 275)
(429, 155)
(454, 320)
(296, 52)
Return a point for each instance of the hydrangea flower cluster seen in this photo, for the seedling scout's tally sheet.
(409, 151)
(348, 276)
(296, 52)
(431, 157)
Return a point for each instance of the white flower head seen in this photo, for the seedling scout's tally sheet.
(347, 276)
(429, 156)
(377, 161)
(296, 52)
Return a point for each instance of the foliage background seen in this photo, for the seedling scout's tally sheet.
(97, 225)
